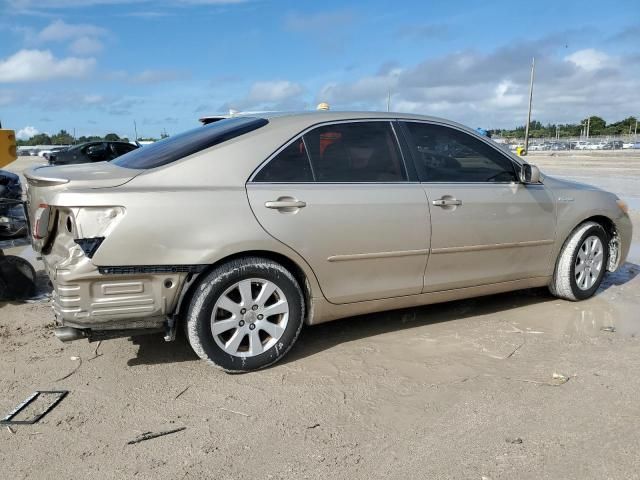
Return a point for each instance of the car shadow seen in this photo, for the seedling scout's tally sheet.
(153, 350)
(627, 272)
(317, 338)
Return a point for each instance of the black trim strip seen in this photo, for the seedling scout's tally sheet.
(146, 269)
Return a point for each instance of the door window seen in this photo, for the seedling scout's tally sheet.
(355, 152)
(444, 154)
(291, 165)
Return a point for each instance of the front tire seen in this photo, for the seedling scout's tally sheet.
(245, 315)
(582, 263)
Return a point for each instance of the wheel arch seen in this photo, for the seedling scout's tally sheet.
(190, 286)
(607, 223)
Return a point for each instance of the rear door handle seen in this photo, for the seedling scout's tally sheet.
(446, 202)
(282, 204)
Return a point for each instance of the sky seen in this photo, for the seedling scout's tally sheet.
(96, 66)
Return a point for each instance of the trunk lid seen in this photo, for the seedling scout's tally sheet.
(44, 182)
(86, 175)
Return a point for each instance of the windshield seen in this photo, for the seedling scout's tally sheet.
(187, 143)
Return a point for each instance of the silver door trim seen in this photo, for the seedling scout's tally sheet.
(368, 256)
(496, 246)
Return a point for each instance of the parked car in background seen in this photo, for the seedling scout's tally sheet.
(581, 145)
(47, 153)
(245, 229)
(90, 152)
(613, 145)
(626, 145)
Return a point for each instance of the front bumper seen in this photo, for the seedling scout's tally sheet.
(84, 298)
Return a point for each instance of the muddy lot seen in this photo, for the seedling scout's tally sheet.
(518, 385)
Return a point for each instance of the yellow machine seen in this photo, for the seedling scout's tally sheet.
(8, 151)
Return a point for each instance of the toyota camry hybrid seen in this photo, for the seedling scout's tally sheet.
(244, 230)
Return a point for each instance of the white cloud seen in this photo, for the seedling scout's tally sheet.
(275, 91)
(85, 46)
(83, 39)
(6, 98)
(38, 65)
(59, 30)
(92, 99)
(40, 5)
(26, 133)
(590, 59)
(157, 76)
(490, 89)
(323, 21)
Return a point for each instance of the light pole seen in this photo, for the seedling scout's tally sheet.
(526, 131)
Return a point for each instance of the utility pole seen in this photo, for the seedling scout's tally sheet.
(526, 132)
(588, 126)
(389, 100)
(635, 132)
(135, 128)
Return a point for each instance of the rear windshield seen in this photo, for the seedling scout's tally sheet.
(189, 142)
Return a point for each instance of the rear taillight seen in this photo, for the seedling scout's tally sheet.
(41, 219)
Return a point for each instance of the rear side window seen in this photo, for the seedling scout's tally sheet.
(355, 152)
(291, 165)
(184, 144)
(444, 154)
(122, 148)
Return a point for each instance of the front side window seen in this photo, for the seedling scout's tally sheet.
(192, 141)
(291, 165)
(355, 152)
(444, 154)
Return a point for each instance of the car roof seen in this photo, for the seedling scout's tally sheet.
(307, 119)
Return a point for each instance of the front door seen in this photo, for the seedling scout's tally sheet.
(340, 198)
(487, 227)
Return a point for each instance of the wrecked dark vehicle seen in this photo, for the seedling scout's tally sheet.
(13, 222)
(17, 275)
(101, 151)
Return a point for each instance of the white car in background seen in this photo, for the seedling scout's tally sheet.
(582, 146)
(597, 146)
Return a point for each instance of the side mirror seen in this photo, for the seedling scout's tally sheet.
(529, 173)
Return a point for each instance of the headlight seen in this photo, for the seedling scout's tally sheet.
(623, 205)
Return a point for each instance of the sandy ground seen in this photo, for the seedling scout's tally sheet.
(458, 390)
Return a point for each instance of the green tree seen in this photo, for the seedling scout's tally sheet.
(62, 138)
(111, 137)
(596, 125)
(39, 139)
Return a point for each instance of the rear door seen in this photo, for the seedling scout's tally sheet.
(487, 227)
(341, 198)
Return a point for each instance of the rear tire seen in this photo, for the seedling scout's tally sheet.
(582, 263)
(17, 278)
(245, 315)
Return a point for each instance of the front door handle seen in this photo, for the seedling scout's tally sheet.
(285, 204)
(446, 202)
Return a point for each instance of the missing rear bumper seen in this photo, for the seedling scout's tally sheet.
(70, 334)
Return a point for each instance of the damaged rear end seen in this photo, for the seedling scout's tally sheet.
(68, 228)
